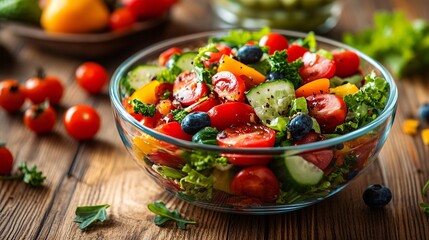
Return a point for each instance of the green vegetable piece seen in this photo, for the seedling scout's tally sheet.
(204, 74)
(179, 114)
(31, 176)
(240, 37)
(424, 205)
(206, 135)
(144, 109)
(308, 42)
(290, 71)
(27, 11)
(298, 105)
(87, 215)
(164, 215)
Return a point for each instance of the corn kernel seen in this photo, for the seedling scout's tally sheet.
(425, 136)
(410, 126)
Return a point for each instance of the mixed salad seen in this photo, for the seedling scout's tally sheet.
(254, 90)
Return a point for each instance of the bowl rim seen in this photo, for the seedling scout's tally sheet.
(124, 67)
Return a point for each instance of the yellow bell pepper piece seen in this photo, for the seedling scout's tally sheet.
(425, 136)
(410, 126)
(251, 76)
(344, 90)
(75, 16)
(147, 93)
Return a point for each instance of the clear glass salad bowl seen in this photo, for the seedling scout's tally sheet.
(353, 152)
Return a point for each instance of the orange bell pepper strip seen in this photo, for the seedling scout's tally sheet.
(248, 74)
(319, 86)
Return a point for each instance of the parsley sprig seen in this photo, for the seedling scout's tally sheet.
(144, 109)
(88, 215)
(289, 71)
(164, 215)
(31, 176)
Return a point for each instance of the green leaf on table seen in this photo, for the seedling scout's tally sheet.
(31, 176)
(87, 215)
(165, 215)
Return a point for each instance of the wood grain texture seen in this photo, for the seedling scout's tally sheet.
(101, 171)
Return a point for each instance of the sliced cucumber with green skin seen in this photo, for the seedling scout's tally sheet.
(186, 61)
(296, 172)
(141, 75)
(271, 99)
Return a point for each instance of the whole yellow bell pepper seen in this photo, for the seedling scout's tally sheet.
(75, 16)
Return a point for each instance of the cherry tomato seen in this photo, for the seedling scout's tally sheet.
(247, 136)
(321, 158)
(362, 147)
(12, 95)
(187, 90)
(82, 122)
(129, 108)
(146, 9)
(328, 109)
(167, 54)
(275, 42)
(121, 18)
(231, 113)
(40, 118)
(347, 62)
(295, 51)
(43, 87)
(6, 160)
(316, 67)
(310, 137)
(173, 129)
(204, 106)
(216, 56)
(256, 182)
(91, 77)
(228, 87)
(166, 159)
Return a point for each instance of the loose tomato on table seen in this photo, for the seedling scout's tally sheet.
(328, 109)
(121, 18)
(82, 122)
(275, 42)
(167, 54)
(6, 160)
(40, 118)
(43, 87)
(231, 113)
(256, 182)
(12, 95)
(229, 87)
(187, 90)
(91, 76)
(347, 62)
(316, 67)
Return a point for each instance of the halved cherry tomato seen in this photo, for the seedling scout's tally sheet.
(316, 67)
(247, 136)
(274, 41)
(6, 160)
(12, 95)
(166, 159)
(362, 147)
(321, 158)
(173, 129)
(167, 54)
(82, 122)
(216, 56)
(121, 18)
(187, 90)
(319, 86)
(256, 182)
(347, 62)
(205, 105)
(228, 87)
(250, 76)
(91, 76)
(329, 110)
(310, 137)
(295, 51)
(231, 113)
(40, 118)
(43, 87)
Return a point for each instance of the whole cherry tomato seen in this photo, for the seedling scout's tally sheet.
(256, 182)
(121, 18)
(187, 90)
(231, 113)
(146, 9)
(173, 129)
(91, 77)
(40, 118)
(228, 87)
(12, 95)
(274, 41)
(82, 122)
(328, 109)
(6, 160)
(43, 87)
(167, 54)
(316, 67)
(295, 51)
(347, 62)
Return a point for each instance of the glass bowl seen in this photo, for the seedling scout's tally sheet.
(353, 152)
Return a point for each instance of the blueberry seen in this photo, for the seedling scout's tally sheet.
(424, 112)
(195, 121)
(377, 196)
(300, 126)
(274, 76)
(249, 54)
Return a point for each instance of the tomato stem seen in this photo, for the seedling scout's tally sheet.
(40, 73)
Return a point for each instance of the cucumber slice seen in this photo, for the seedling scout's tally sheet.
(186, 61)
(271, 99)
(140, 76)
(296, 172)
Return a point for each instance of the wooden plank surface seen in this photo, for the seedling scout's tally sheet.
(101, 171)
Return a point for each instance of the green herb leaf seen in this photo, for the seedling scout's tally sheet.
(206, 135)
(204, 74)
(31, 176)
(289, 71)
(179, 114)
(165, 215)
(201, 160)
(148, 110)
(308, 42)
(87, 215)
(240, 37)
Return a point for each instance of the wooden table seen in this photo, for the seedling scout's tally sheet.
(101, 171)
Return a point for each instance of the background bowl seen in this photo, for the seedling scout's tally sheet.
(147, 146)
